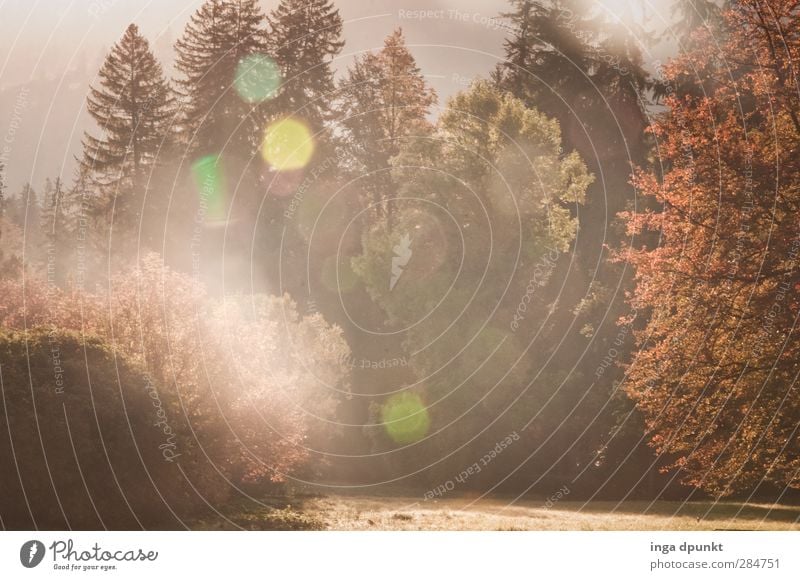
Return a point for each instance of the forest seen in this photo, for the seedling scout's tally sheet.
(275, 275)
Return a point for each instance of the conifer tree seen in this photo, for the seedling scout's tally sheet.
(588, 73)
(24, 211)
(692, 17)
(549, 48)
(2, 190)
(132, 106)
(305, 36)
(55, 230)
(385, 102)
(2, 213)
(215, 119)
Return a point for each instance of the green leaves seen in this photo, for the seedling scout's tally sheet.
(484, 197)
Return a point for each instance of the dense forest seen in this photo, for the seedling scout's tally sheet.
(270, 275)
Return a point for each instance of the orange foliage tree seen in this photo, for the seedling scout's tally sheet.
(716, 373)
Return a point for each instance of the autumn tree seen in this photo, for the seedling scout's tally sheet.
(385, 100)
(133, 108)
(214, 117)
(716, 373)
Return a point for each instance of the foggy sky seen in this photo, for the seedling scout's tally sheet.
(51, 50)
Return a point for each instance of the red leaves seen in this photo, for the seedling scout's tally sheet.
(716, 359)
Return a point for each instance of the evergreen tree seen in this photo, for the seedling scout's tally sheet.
(385, 102)
(548, 54)
(2, 191)
(588, 73)
(55, 230)
(24, 211)
(695, 20)
(305, 36)
(3, 204)
(692, 14)
(132, 106)
(215, 119)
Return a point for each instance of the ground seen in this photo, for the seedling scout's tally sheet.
(346, 512)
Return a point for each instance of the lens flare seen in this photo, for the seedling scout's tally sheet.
(288, 145)
(210, 182)
(258, 78)
(405, 418)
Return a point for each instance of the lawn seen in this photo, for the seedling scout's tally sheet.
(346, 512)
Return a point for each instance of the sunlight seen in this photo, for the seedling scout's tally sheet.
(288, 145)
(630, 12)
(405, 418)
(258, 78)
(210, 184)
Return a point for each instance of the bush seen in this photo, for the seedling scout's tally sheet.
(79, 441)
(248, 388)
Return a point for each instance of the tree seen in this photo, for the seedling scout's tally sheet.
(716, 373)
(549, 55)
(3, 204)
(305, 36)
(461, 271)
(385, 101)
(24, 211)
(133, 107)
(692, 14)
(250, 387)
(577, 66)
(693, 17)
(55, 231)
(215, 118)
(2, 189)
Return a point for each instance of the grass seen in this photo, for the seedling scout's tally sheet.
(271, 513)
(342, 512)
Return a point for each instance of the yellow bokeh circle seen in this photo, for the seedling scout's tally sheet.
(288, 145)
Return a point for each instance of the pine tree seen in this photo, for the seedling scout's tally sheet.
(305, 36)
(23, 210)
(565, 59)
(385, 101)
(215, 119)
(695, 19)
(2, 215)
(2, 190)
(55, 230)
(693, 14)
(549, 48)
(133, 107)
